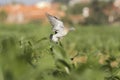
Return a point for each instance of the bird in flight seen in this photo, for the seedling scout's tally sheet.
(58, 28)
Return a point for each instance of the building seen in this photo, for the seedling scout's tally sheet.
(19, 13)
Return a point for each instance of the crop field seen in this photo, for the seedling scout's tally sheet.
(88, 53)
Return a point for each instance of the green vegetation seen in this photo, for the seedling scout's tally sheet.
(97, 11)
(89, 53)
(3, 15)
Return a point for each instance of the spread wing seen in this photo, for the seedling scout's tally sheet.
(55, 22)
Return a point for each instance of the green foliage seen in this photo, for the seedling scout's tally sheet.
(3, 15)
(77, 8)
(97, 16)
(61, 1)
(26, 53)
(96, 11)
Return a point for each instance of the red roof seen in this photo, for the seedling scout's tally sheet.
(32, 12)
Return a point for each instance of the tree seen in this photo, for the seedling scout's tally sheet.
(97, 15)
(3, 15)
(61, 1)
(77, 8)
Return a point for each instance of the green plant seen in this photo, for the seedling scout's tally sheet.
(25, 53)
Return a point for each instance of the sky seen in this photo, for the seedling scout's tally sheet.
(27, 2)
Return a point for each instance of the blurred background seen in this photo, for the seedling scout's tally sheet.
(71, 11)
(93, 48)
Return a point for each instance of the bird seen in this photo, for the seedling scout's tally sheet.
(58, 28)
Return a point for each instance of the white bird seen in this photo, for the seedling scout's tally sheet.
(58, 28)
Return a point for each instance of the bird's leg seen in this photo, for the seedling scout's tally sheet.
(51, 47)
(52, 51)
(60, 43)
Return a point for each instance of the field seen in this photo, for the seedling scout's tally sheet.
(88, 53)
